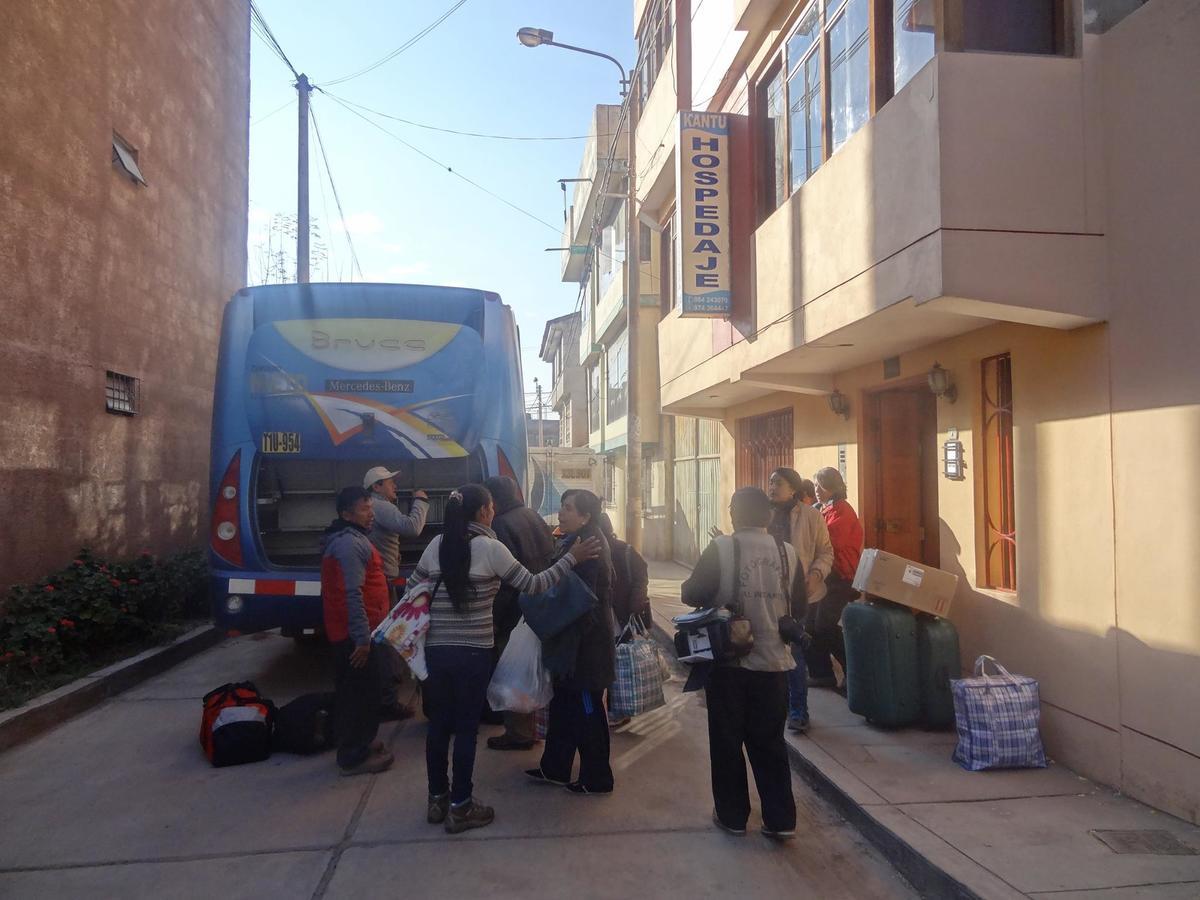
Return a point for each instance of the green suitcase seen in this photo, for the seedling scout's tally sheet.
(881, 662)
(937, 662)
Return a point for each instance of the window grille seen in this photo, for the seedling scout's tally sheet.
(999, 519)
(121, 394)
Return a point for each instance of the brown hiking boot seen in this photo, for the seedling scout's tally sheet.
(468, 815)
(372, 765)
(439, 805)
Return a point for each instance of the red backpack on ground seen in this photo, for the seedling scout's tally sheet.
(236, 725)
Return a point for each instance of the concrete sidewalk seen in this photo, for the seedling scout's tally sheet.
(1028, 833)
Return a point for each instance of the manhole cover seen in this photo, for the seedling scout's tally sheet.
(1147, 840)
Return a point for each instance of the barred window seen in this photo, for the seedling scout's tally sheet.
(121, 394)
(999, 519)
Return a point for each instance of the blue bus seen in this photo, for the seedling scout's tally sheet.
(316, 384)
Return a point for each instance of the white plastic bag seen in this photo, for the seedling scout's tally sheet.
(520, 683)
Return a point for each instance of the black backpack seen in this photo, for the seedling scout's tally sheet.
(306, 725)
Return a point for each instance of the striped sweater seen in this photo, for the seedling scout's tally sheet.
(491, 564)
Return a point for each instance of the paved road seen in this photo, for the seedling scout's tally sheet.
(120, 802)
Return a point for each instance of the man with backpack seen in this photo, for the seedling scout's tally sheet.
(354, 597)
(758, 579)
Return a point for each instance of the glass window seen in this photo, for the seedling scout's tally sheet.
(1000, 535)
(805, 37)
(804, 114)
(594, 399)
(1014, 26)
(775, 142)
(618, 379)
(849, 71)
(913, 41)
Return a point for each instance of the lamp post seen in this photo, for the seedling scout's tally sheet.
(538, 37)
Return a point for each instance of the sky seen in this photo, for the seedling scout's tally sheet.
(409, 219)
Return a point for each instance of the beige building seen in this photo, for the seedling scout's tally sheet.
(993, 200)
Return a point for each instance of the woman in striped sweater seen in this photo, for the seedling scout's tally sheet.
(467, 564)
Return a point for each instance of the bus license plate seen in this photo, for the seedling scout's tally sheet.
(281, 442)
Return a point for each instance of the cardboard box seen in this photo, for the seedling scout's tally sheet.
(903, 581)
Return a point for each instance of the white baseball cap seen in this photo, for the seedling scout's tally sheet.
(379, 473)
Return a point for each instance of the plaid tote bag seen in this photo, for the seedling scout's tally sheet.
(997, 719)
(638, 687)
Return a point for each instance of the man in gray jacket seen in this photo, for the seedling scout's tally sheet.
(390, 525)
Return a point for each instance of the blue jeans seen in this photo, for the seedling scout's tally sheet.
(798, 686)
(454, 696)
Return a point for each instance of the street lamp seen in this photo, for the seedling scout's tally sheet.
(538, 37)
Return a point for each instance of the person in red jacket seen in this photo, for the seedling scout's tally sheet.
(354, 599)
(846, 534)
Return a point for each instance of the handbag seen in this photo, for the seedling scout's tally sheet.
(997, 718)
(520, 683)
(405, 626)
(639, 680)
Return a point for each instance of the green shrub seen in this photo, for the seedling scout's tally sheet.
(92, 606)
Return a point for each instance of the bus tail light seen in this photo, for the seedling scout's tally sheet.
(506, 470)
(225, 539)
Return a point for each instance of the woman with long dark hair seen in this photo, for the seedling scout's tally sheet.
(466, 564)
(578, 722)
(846, 533)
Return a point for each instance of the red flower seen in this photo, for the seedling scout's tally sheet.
(52, 630)
(66, 623)
(34, 660)
(49, 589)
(78, 562)
(114, 582)
(134, 581)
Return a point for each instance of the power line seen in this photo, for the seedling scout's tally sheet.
(476, 134)
(437, 162)
(409, 43)
(271, 113)
(336, 199)
(260, 27)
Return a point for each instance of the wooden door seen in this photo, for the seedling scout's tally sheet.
(903, 515)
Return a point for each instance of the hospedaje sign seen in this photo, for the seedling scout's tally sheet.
(703, 192)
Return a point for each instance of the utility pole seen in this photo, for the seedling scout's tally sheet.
(633, 267)
(302, 219)
(541, 422)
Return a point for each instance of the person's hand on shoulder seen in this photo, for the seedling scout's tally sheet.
(358, 658)
(583, 550)
(715, 532)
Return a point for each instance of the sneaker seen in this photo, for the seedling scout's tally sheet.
(467, 815)
(542, 778)
(504, 742)
(728, 829)
(781, 834)
(372, 765)
(578, 787)
(798, 724)
(439, 805)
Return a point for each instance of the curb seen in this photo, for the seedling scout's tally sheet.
(48, 711)
(926, 877)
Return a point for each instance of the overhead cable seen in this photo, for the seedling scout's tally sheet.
(394, 53)
(336, 199)
(437, 162)
(476, 134)
(259, 24)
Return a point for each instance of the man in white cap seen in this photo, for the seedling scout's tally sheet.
(390, 525)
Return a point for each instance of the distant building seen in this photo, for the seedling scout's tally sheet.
(123, 193)
(535, 431)
(568, 395)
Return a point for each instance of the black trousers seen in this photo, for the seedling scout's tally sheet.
(359, 696)
(578, 723)
(823, 623)
(748, 709)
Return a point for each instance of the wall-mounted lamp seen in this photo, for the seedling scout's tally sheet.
(839, 405)
(941, 385)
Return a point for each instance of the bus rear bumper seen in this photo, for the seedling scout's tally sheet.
(247, 602)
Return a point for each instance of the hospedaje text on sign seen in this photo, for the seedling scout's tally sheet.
(703, 192)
